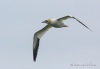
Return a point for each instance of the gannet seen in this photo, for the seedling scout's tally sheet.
(57, 23)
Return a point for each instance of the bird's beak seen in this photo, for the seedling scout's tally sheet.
(43, 22)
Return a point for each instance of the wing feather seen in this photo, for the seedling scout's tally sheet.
(35, 50)
(36, 40)
(64, 18)
(68, 16)
(82, 23)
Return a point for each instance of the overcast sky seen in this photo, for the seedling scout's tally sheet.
(59, 48)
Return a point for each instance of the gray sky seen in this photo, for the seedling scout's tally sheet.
(59, 48)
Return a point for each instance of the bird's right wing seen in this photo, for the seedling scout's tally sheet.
(36, 40)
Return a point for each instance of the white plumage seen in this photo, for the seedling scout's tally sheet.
(57, 23)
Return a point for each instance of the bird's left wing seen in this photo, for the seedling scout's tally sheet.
(36, 40)
(68, 16)
(82, 23)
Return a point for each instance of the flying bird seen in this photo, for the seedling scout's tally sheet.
(57, 23)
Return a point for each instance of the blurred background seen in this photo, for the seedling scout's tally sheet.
(59, 47)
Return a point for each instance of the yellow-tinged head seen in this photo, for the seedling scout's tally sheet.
(47, 21)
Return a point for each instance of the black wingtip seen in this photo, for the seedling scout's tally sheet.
(82, 24)
(35, 50)
(34, 60)
(90, 30)
(34, 57)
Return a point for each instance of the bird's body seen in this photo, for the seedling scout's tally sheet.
(57, 23)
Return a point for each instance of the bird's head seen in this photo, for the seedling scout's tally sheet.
(47, 21)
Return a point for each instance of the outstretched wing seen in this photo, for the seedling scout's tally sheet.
(36, 40)
(68, 16)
